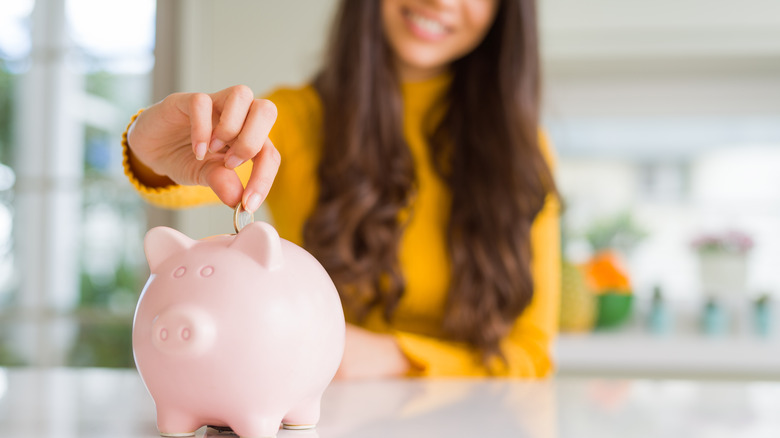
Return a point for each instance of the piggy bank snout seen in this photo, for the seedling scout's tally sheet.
(184, 330)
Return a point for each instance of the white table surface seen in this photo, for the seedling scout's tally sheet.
(103, 403)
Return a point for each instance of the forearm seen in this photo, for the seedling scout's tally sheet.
(432, 357)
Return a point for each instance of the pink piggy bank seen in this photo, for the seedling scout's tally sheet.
(243, 331)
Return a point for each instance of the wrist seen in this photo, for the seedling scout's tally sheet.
(398, 364)
(135, 166)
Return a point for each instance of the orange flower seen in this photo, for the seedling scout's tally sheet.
(605, 273)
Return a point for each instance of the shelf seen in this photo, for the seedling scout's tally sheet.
(683, 356)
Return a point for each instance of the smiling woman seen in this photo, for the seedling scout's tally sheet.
(411, 165)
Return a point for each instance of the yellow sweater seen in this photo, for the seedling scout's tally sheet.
(423, 256)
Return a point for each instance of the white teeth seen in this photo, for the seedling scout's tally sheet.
(428, 25)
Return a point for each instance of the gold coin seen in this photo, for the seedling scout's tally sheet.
(241, 217)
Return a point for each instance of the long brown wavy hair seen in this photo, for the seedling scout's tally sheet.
(485, 146)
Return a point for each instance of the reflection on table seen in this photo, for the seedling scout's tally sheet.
(103, 403)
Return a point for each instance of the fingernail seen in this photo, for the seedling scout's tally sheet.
(216, 145)
(253, 202)
(200, 151)
(233, 161)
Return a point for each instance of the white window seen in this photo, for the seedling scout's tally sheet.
(71, 73)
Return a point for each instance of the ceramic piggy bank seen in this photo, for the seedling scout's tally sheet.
(243, 331)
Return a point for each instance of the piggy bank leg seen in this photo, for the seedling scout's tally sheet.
(255, 426)
(305, 415)
(172, 423)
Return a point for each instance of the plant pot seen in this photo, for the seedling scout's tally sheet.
(614, 309)
(722, 274)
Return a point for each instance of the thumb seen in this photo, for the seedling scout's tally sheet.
(225, 182)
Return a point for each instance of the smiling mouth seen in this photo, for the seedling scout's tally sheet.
(428, 26)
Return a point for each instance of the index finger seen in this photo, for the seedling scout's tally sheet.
(249, 142)
(198, 108)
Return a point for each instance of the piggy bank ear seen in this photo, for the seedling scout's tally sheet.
(260, 241)
(161, 243)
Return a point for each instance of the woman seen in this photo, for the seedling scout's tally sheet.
(413, 170)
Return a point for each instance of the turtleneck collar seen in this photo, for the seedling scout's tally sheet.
(419, 96)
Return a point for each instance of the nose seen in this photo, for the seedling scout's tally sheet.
(183, 330)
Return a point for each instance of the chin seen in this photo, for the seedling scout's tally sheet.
(424, 60)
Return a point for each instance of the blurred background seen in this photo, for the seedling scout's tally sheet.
(665, 116)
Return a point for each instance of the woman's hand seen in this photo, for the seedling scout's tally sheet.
(371, 355)
(198, 138)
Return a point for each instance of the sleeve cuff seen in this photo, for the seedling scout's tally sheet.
(433, 357)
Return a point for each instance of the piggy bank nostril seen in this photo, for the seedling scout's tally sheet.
(183, 330)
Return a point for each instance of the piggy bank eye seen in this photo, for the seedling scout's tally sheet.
(179, 272)
(206, 271)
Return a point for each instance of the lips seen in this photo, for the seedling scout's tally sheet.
(425, 27)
